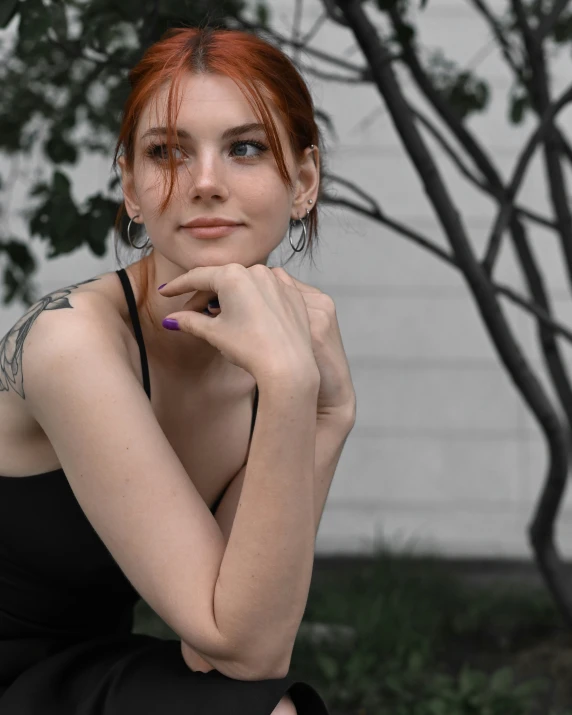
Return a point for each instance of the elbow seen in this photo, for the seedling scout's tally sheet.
(241, 671)
(259, 666)
(237, 668)
(274, 667)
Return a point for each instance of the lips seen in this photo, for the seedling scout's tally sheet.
(216, 231)
(207, 222)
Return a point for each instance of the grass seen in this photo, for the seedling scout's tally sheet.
(419, 641)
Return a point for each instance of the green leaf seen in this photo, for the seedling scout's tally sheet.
(20, 254)
(61, 183)
(471, 681)
(34, 23)
(562, 31)
(60, 151)
(59, 20)
(8, 10)
(262, 14)
(501, 680)
(328, 665)
(519, 104)
(405, 33)
(99, 215)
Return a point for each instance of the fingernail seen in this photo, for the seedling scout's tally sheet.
(159, 288)
(214, 303)
(171, 324)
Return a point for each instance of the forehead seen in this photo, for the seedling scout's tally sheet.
(205, 102)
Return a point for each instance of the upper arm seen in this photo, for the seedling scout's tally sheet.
(125, 475)
(226, 510)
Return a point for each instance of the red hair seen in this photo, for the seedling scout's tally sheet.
(253, 64)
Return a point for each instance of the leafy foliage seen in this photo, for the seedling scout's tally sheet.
(64, 81)
(465, 92)
(409, 618)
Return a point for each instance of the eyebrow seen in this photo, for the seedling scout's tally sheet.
(227, 134)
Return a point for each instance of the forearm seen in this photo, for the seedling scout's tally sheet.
(331, 436)
(264, 577)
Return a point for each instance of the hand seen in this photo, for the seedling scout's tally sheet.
(337, 394)
(263, 325)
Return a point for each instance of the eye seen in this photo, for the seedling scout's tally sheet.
(158, 151)
(257, 145)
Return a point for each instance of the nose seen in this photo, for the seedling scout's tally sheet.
(208, 178)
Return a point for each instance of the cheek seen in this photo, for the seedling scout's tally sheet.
(266, 195)
(154, 187)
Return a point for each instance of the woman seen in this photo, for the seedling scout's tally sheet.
(107, 484)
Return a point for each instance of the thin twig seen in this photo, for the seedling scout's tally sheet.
(537, 136)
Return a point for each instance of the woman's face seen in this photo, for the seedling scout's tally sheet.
(235, 177)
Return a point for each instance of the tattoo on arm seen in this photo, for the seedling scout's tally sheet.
(12, 344)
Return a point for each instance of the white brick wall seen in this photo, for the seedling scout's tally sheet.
(444, 454)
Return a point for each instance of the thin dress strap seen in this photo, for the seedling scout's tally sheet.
(254, 409)
(128, 290)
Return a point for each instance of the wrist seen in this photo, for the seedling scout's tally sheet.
(300, 378)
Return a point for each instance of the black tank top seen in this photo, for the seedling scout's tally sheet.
(131, 304)
(145, 367)
(58, 580)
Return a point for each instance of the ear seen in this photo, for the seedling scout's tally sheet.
(128, 187)
(307, 182)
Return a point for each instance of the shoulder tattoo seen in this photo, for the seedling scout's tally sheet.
(12, 344)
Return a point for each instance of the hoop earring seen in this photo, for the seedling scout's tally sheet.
(129, 237)
(303, 235)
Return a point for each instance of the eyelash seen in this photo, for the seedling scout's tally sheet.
(151, 150)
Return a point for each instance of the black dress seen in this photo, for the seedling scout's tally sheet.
(66, 614)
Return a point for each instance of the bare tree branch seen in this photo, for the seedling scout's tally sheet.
(297, 27)
(313, 31)
(469, 142)
(499, 330)
(377, 214)
(550, 19)
(519, 173)
(500, 35)
(398, 227)
(486, 187)
(541, 101)
(333, 12)
(518, 70)
(319, 54)
(329, 77)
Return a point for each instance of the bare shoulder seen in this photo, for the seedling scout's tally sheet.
(89, 300)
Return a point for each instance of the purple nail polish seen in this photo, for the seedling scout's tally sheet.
(170, 324)
(159, 288)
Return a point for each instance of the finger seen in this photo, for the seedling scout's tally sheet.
(200, 301)
(201, 278)
(184, 284)
(192, 322)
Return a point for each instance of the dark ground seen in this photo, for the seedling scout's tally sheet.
(539, 651)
